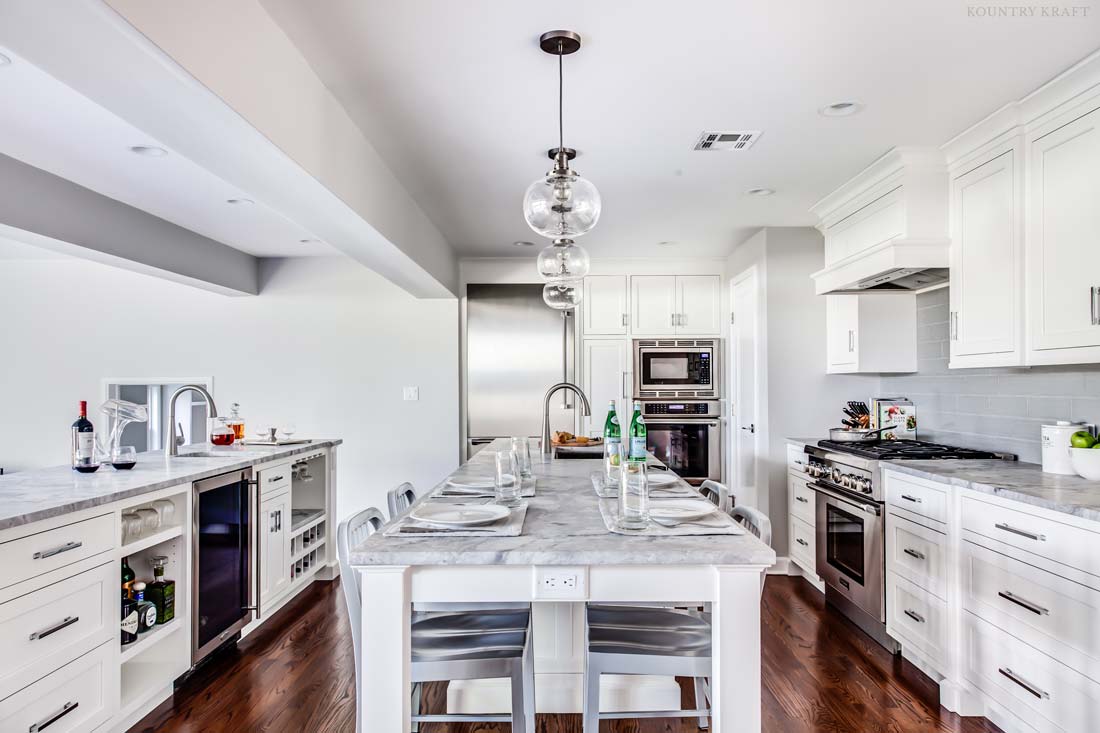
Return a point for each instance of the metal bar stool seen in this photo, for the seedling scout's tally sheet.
(450, 642)
(399, 500)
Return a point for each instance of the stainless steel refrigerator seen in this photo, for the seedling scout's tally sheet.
(516, 348)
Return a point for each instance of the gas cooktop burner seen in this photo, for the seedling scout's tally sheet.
(906, 449)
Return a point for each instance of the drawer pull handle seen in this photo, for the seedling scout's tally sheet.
(1024, 683)
(1021, 532)
(914, 499)
(802, 499)
(275, 479)
(69, 621)
(913, 553)
(802, 542)
(57, 550)
(48, 721)
(1037, 610)
(915, 616)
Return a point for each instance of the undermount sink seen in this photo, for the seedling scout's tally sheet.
(578, 451)
(219, 454)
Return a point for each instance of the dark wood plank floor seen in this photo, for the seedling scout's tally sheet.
(820, 675)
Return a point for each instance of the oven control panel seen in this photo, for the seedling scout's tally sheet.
(676, 408)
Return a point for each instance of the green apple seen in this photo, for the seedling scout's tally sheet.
(1097, 445)
(1082, 439)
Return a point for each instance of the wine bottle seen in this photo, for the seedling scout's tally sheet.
(612, 433)
(128, 578)
(637, 434)
(162, 592)
(83, 445)
(129, 620)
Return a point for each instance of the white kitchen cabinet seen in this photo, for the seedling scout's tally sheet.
(698, 299)
(605, 305)
(1064, 220)
(274, 556)
(986, 317)
(871, 332)
(605, 373)
(675, 305)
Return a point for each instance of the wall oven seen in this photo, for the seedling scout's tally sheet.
(676, 368)
(686, 436)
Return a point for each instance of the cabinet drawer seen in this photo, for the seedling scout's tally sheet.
(1036, 687)
(803, 500)
(42, 552)
(274, 479)
(915, 497)
(1055, 615)
(916, 618)
(803, 545)
(77, 697)
(1078, 548)
(54, 625)
(917, 553)
(796, 458)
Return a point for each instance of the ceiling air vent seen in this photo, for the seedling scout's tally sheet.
(736, 140)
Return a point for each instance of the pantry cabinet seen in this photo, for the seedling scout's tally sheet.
(274, 554)
(606, 375)
(675, 305)
(871, 333)
(605, 305)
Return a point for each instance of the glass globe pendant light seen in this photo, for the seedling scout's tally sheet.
(563, 260)
(563, 295)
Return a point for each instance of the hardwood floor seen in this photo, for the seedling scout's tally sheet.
(820, 675)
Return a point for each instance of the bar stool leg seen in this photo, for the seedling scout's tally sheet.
(418, 688)
(701, 700)
(519, 702)
(591, 698)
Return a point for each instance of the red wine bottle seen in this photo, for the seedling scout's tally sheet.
(83, 446)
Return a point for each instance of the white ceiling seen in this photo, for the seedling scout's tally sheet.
(58, 130)
(462, 104)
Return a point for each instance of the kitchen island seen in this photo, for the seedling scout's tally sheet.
(563, 533)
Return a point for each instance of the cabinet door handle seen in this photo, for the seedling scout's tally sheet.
(1034, 608)
(275, 479)
(278, 520)
(802, 499)
(625, 320)
(1024, 683)
(802, 542)
(914, 499)
(1021, 532)
(672, 320)
(913, 553)
(1094, 304)
(851, 339)
(915, 616)
(51, 719)
(57, 550)
(68, 621)
(953, 318)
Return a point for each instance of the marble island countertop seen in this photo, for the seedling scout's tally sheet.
(1012, 480)
(31, 496)
(563, 527)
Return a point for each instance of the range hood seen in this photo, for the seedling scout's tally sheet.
(886, 229)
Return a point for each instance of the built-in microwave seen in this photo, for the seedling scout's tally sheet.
(676, 368)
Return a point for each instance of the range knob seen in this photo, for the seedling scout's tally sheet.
(865, 485)
(846, 481)
(836, 474)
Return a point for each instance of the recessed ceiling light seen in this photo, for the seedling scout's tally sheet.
(150, 150)
(4, 60)
(523, 244)
(760, 192)
(239, 201)
(666, 243)
(843, 108)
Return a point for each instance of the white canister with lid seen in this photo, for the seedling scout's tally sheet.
(1055, 444)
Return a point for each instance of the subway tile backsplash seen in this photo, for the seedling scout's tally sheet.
(995, 409)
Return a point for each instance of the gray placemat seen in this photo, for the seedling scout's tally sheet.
(527, 492)
(716, 523)
(511, 526)
(679, 490)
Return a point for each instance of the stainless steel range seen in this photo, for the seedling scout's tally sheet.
(851, 521)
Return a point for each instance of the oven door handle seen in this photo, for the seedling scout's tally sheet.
(711, 423)
(865, 508)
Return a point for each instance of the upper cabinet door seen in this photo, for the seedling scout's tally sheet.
(605, 381)
(605, 305)
(1064, 242)
(698, 297)
(841, 326)
(986, 266)
(653, 306)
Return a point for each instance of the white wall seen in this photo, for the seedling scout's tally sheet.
(328, 345)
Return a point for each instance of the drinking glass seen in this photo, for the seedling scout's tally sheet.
(150, 520)
(131, 527)
(613, 457)
(123, 457)
(506, 480)
(166, 509)
(522, 448)
(633, 496)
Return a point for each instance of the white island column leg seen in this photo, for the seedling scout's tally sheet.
(735, 677)
(384, 686)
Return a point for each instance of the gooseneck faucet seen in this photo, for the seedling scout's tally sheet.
(547, 449)
(170, 447)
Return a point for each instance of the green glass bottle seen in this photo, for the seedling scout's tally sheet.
(637, 434)
(128, 578)
(612, 433)
(162, 592)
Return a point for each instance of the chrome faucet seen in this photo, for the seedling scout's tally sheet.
(547, 449)
(171, 447)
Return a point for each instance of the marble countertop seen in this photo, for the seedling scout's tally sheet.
(803, 441)
(31, 496)
(1013, 480)
(563, 527)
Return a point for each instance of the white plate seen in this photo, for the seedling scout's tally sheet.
(661, 478)
(460, 515)
(681, 510)
(479, 482)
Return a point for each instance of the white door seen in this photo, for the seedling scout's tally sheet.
(1065, 222)
(985, 261)
(744, 390)
(841, 332)
(605, 305)
(653, 304)
(605, 381)
(274, 548)
(698, 300)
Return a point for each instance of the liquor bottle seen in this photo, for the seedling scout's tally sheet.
(83, 445)
(162, 592)
(236, 422)
(128, 578)
(146, 611)
(612, 433)
(129, 620)
(637, 434)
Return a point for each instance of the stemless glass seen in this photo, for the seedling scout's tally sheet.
(613, 458)
(633, 496)
(506, 480)
(522, 448)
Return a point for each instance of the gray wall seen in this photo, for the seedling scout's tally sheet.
(998, 409)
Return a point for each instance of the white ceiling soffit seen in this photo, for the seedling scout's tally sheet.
(458, 99)
(229, 107)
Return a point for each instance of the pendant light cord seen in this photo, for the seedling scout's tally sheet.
(561, 98)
